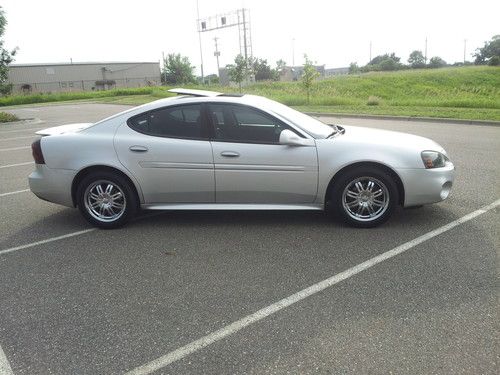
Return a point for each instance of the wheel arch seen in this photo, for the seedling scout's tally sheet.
(102, 168)
(367, 164)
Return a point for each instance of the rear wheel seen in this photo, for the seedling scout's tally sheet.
(106, 200)
(364, 197)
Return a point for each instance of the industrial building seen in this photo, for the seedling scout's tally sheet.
(64, 77)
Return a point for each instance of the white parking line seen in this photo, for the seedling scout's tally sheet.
(16, 138)
(52, 239)
(15, 148)
(232, 328)
(19, 130)
(5, 368)
(16, 165)
(69, 235)
(14, 192)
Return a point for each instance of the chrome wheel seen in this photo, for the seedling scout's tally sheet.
(104, 201)
(365, 199)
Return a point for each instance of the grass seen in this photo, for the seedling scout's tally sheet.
(8, 117)
(463, 93)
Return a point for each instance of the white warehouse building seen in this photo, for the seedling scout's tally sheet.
(64, 77)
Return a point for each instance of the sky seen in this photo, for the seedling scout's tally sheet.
(333, 33)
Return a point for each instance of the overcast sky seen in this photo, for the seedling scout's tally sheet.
(333, 33)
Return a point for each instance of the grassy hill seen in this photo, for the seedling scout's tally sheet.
(467, 92)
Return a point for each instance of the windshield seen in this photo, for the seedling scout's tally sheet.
(309, 124)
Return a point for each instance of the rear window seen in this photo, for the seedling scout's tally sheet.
(176, 122)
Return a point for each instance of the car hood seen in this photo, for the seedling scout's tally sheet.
(388, 138)
(69, 128)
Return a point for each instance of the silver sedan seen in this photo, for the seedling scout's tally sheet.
(207, 150)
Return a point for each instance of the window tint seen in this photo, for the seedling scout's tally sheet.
(240, 123)
(179, 122)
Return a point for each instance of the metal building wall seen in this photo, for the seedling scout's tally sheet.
(82, 76)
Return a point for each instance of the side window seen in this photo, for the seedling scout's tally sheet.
(177, 122)
(239, 123)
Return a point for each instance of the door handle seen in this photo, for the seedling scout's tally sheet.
(138, 149)
(230, 154)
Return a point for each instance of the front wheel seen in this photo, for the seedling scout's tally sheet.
(106, 200)
(364, 197)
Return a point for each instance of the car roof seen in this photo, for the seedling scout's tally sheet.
(186, 96)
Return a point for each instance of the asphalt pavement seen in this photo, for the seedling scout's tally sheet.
(108, 302)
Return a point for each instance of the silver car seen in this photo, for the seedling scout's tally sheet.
(207, 150)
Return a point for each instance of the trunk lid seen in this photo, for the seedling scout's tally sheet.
(69, 128)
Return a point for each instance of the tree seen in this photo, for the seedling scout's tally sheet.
(490, 50)
(6, 57)
(177, 69)
(416, 60)
(436, 62)
(280, 67)
(383, 62)
(308, 76)
(262, 70)
(238, 71)
(354, 68)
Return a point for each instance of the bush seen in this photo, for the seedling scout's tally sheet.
(494, 61)
(373, 100)
(8, 117)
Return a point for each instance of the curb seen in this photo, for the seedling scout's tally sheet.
(407, 118)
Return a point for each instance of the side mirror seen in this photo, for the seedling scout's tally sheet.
(288, 137)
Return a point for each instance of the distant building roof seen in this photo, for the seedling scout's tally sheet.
(85, 63)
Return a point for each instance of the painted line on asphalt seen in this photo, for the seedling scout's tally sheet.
(48, 240)
(69, 235)
(16, 165)
(16, 138)
(15, 148)
(238, 325)
(5, 368)
(19, 130)
(14, 192)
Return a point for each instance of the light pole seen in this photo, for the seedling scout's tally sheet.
(217, 54)
(465, 49)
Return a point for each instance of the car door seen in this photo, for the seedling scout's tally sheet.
(250, 164)
(168, 152)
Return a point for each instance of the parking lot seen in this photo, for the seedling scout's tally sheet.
(76, 300)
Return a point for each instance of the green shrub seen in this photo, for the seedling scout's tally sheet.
(374, 100)
(8, 117)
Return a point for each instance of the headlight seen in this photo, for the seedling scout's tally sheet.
(434, 159)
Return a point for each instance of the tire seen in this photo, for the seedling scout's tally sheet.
(106, 200)
(364, 197)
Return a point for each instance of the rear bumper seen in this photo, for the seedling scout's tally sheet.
(53, 185)
(423, 186)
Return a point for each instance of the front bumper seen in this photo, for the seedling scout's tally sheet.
(53, 185)
(423, 186)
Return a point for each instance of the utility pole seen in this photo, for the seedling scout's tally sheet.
(370, 51)
(293, 51)
(163, 66)
(199, 38)
(465, 49)
(425, 56)
(217, 54)
(245, 37)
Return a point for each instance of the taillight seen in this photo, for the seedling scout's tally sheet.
(36, 150)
